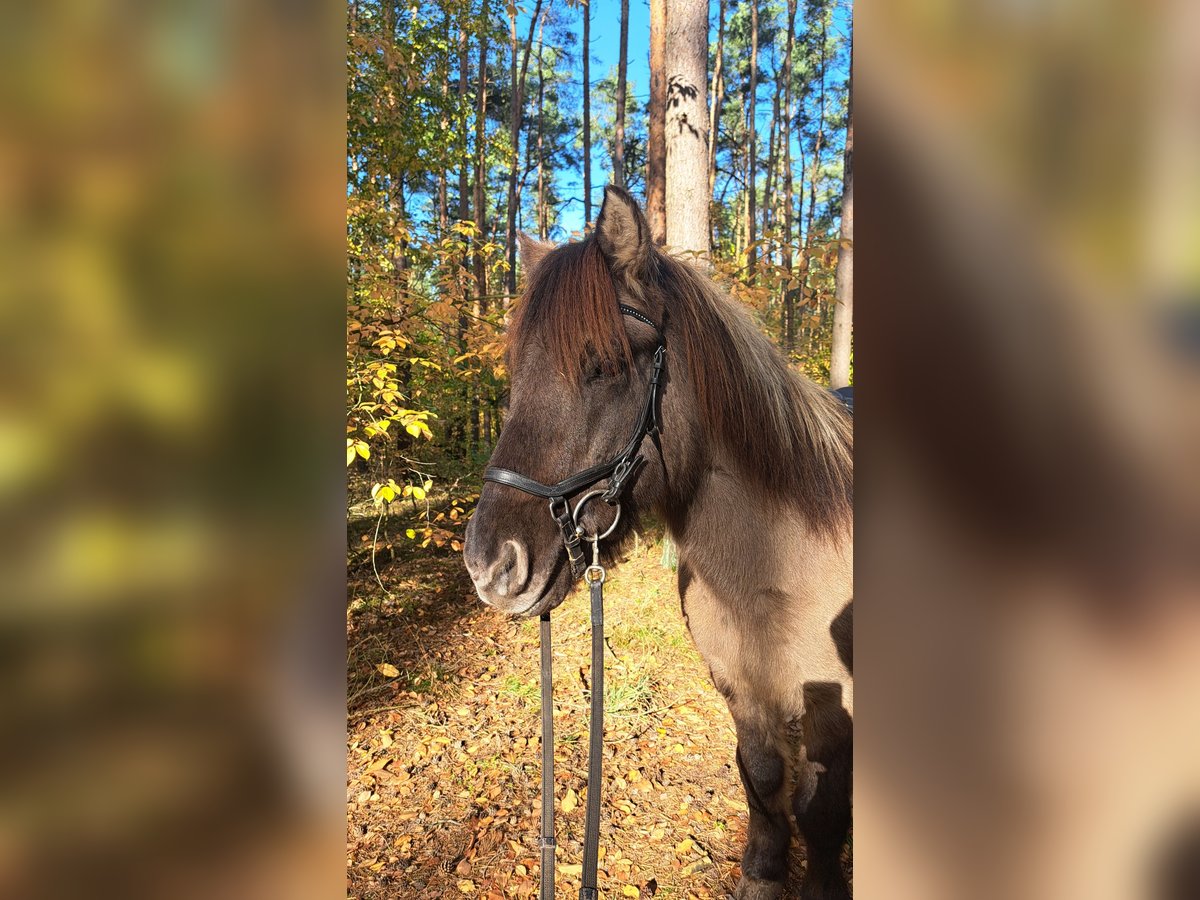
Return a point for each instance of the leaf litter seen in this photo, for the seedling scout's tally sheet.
(443, 742)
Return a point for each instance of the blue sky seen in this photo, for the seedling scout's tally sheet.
(605, 40)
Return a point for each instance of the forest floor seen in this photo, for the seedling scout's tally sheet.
(443, 790)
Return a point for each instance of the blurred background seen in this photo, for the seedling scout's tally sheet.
(1028, 457)
(171, 255)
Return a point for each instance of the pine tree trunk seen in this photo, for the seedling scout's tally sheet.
(543, 223)
(687, 126)
(789, 307)
(514, 125)
(772, 160)
(587, 115)
(622, 68)
(716, 100)
(752, 143)
(818, 146)
(480, 209)
(843, 313)
(443, 208)
(656, 150)
(464, 213)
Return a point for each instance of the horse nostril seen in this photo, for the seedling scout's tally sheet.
(510, 573)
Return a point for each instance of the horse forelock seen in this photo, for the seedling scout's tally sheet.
(570, 306)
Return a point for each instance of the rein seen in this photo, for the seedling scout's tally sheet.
(618, 470)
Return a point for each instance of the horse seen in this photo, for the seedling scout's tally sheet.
(750, 466)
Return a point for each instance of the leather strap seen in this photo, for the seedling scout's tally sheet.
(547, 842)
(591, 834)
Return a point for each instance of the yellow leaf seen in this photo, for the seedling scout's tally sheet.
(418, 493)
(630, 890)
(570, 801)
(684, 846)
(350, 452)
(410, 533)
(466, 886)
(413, 428)
(388, 670)
(362, 449)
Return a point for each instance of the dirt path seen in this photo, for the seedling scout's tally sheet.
(443, 750)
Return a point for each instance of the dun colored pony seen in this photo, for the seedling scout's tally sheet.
(753, 475)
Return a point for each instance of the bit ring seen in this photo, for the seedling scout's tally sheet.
(591, 495)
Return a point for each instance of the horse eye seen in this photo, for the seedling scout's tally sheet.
(601, 370)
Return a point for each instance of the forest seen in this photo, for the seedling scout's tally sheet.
(470, 122)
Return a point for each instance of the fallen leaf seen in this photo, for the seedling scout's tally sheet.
(466, 886)
(630, 890)
(570, 801)
(388, 670)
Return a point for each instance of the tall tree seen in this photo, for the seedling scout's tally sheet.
(822, 47)
(481, 303)
(622, 68)
(543, 224)
(656, 151)
(843, 311)
(751, 142)
(587, 114)
(514, 124)
(464, 213)
(687, 126)
(716, 99)
(789, 294)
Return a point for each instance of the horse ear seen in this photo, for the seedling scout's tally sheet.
(622, 231)
(532, 252)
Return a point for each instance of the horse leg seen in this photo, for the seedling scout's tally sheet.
(764, 776)
(822, 799)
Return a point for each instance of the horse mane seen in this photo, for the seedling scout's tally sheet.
(786, 434)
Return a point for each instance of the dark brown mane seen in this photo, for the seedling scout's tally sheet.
(571, 304)
(785, 433)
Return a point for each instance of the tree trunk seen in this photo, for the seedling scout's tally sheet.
(656, 150)
(751, 143)
(622, 68)
(514, 126)
(464, 213)
(789, 308)
(716, 99)
(443, 174)
(772, 160)
(814, 173)
(481, 303)
(543, 223)
(587, 115)
(687, 126)
(843, 312)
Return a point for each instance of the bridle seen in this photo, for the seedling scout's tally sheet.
(619, 471)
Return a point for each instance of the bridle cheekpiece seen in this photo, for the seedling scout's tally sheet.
(619, 470)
